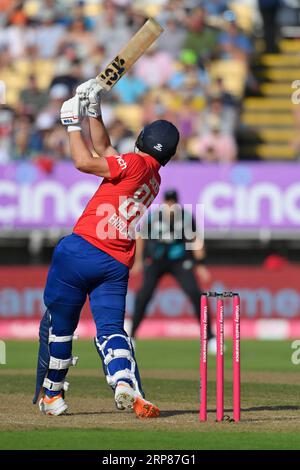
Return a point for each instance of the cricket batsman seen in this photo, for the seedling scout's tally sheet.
(94, 261)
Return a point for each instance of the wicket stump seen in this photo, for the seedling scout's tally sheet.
(236, 389)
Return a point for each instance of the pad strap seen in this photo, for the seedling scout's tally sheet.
(55, 386)
(61, 339)
(112, 354)
(102, 346)
(112, 380)
(116, 354)
(59, 364)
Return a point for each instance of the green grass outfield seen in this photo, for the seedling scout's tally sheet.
(270, 401)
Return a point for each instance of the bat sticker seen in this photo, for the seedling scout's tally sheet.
(114, 71)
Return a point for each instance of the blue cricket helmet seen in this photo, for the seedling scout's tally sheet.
(159, 139)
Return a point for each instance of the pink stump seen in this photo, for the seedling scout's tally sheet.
(236, 359)
(203, 358)
(220, 359)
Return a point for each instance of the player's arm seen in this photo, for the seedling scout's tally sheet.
(100, 138)
(141, 239)
(84, 160)
(199, 254)
(89, 94)
(72, 113)
(198, 248)
(139, 256)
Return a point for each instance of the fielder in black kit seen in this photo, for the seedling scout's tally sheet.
(165, 248)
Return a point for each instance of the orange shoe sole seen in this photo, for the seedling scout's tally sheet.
(144, 409)
(49, 400)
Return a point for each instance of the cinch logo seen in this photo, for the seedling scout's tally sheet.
(158, 147)
(262, 203)
(26, 204)
(121, 162)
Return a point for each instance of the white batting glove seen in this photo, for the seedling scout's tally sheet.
(72, 113)
(89, 94)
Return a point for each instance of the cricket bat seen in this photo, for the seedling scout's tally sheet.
(129, 54)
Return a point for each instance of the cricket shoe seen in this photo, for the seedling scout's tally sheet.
(127, 398)
(53, 406)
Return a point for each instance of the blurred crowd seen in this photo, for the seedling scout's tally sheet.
(195, 75)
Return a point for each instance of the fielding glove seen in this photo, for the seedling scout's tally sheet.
(89, 95)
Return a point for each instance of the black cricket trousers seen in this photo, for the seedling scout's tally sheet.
(152, 274)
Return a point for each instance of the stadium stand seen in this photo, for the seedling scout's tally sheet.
(48, 43)
(210, 65)
(271, 115)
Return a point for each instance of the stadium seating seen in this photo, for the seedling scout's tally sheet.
(271, 115)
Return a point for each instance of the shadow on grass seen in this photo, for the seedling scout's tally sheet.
(262, 409)
(171, 413)
(272, 408)
(93, 413)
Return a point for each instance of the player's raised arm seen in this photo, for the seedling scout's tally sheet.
(100, 137)
(90, 96)
(84, 160)
(72, 113)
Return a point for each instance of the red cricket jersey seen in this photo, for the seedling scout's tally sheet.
(109, 220)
